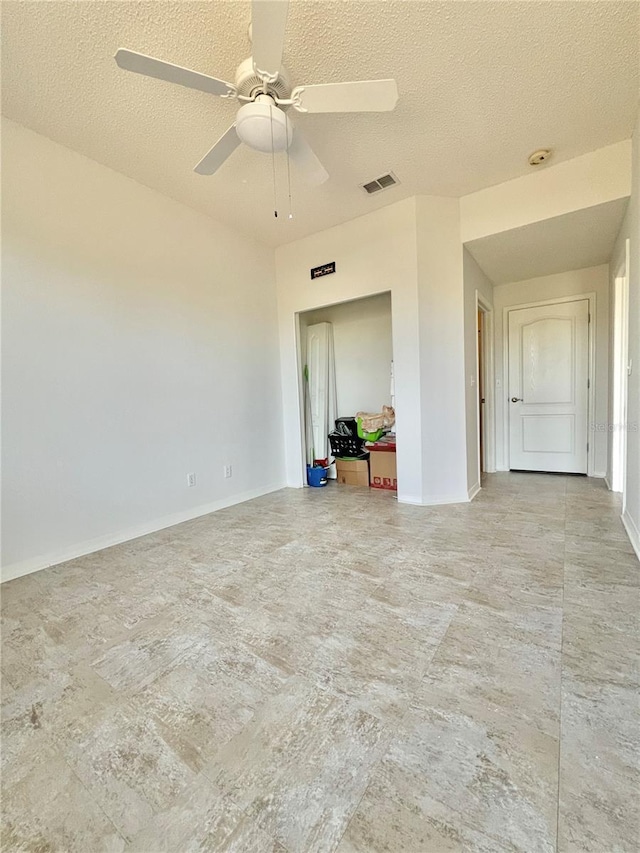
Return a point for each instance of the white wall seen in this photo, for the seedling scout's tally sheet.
(442, 369)
(374, 253)
(575, 282)
(362, 335)
(413, 249)
(631, 230)
(140, 344)
(548, 191)
(475, 281)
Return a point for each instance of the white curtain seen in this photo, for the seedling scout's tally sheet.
(321, 407)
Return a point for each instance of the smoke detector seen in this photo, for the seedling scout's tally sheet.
(539, 156)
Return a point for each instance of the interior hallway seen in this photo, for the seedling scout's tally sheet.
(327, 669)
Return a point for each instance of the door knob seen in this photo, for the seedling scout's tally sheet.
(516, 399)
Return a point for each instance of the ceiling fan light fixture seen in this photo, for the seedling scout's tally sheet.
(263, 126)
(264, 87)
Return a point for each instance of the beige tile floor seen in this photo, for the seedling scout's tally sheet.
(327, 669)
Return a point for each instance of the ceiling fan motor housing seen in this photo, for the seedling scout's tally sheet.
(263, 126)
(249, 84)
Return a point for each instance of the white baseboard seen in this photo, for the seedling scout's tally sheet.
(473, 491)
(600, 475)
(632, 532)
(80, 549)
(435, 501)
(408, 499)
(608, 484)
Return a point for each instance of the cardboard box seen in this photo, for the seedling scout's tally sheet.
(353, 472)
(383, 473)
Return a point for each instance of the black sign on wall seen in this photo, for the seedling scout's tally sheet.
(325, 269)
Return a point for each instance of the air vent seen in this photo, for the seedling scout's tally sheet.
(382, 183)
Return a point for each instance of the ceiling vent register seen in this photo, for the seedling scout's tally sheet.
(382, 183)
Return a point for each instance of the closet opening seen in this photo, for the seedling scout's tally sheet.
(348, 399)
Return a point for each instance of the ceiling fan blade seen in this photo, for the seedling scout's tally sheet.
(357, 97)
(150, 67)
(301, 153)
(268, 24)
(223, 148)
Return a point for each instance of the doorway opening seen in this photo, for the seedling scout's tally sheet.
(620, 378)
(345, 365)
(484, 384)
(481, 389)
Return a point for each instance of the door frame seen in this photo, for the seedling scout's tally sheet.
(591, 357)
(488, 363)
(620, 377)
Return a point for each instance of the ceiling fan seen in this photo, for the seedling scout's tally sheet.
(263, 86)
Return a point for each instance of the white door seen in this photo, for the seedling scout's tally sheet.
(548, 387)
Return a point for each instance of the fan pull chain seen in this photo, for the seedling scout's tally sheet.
(286, 121)
(273, 165)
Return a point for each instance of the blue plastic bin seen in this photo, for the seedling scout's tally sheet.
(316, 476)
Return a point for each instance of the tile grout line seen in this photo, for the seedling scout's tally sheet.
(387, 727)
(564, 564)
(373, 769)
(87, 791)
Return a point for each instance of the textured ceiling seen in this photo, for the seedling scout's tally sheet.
(481, 85)
(583, 238)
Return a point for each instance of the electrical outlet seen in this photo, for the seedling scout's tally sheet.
(191, 480)
(227, 471)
